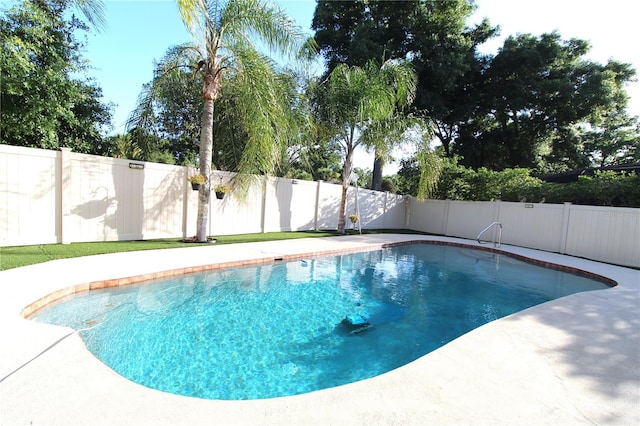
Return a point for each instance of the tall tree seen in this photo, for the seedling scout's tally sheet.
(225, 34)
(168, 105)
(448, 63)
(432, 34)
(536, 95)
(43, 104)
(612, 140)
(352, 101)
(358, 31)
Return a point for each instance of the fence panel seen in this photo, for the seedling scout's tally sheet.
(329, 195)
(377, 210)
(303, 205)
(536, 226)
(164, 195)
(428, 216)
(113, 199)
(371, 205)
(236, 213)
(604, 233)
(28, 196)
(290, 205)
(395, 212)
(467, 218)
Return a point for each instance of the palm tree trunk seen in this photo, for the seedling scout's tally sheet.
(341, 213)
(210, 89)
(206, 148)
(376, 176)
(346, 180)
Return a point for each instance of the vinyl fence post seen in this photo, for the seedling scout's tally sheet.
(564, 233)
(63, 184)
(263, 212)
(447, 207)
(407, 211)
(317, 209)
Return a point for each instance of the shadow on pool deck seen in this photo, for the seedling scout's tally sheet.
(594, 338)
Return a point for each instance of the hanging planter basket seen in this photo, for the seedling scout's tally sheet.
(197, 181)
(220, 190)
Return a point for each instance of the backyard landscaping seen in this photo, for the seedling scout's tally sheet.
(13, 257)
(16, 256)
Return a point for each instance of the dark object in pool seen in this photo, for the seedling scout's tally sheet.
(356, 323)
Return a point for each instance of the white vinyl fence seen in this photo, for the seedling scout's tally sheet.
(607, 234)
(63, 197)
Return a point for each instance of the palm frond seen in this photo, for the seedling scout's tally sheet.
(266, 110)
(176, 59)
(143, 115)
(190, 12)
(430, 165)
(251, 21)
(93, 10)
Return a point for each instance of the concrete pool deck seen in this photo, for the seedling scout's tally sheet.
(575, 360)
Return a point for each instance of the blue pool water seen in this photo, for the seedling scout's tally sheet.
(276, 330)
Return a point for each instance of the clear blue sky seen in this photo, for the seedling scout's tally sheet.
(140, 31)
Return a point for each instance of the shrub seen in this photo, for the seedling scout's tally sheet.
(605, 188)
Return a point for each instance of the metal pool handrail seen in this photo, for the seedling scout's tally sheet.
(495, 244)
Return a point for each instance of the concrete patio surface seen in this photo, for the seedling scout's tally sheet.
(575, 360)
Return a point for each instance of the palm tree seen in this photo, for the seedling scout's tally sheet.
(93, 10)
(225, 34)
(355, 102)
(125, 147)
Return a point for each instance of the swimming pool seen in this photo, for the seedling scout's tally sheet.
(276, 330)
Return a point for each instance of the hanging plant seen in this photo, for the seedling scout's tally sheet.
(220, 190)
(197, 181)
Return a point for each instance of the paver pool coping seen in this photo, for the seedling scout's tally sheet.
(575, 360)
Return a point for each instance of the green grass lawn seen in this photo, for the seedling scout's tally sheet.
(13, 257)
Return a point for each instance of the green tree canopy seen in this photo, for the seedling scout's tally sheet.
(613, 139)
(536, 98)
(169, 107)
(44, 102)
(432, 34)
(537, 103)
